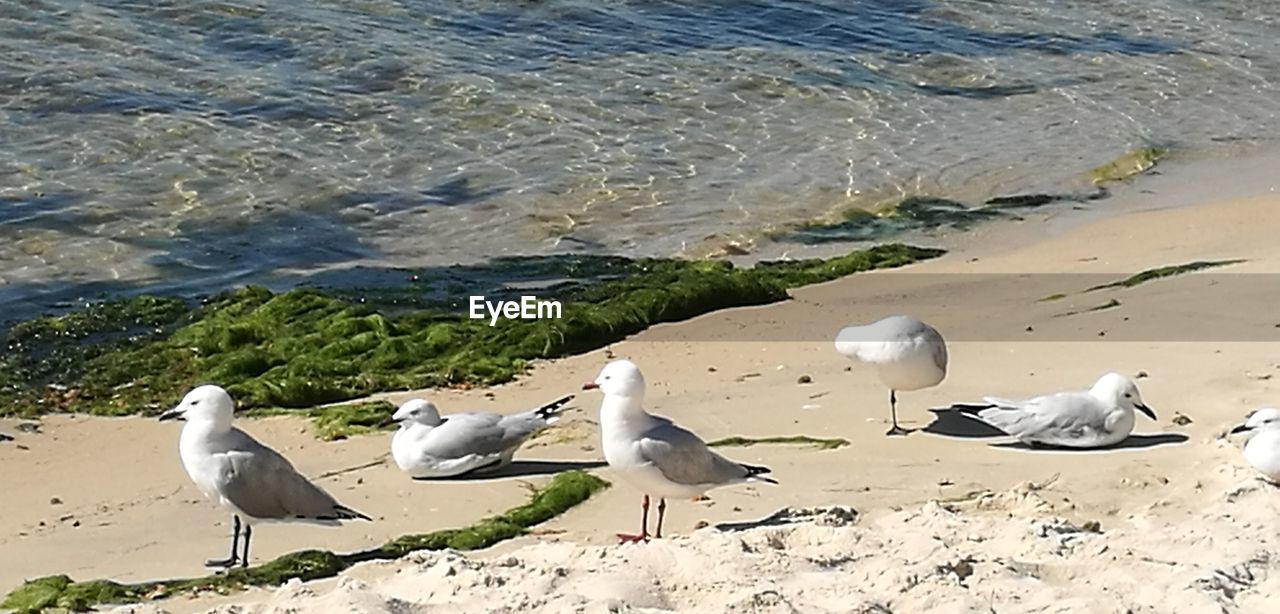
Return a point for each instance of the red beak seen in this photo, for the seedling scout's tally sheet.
(590, 386)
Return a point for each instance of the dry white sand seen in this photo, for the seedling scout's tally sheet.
(1011, 551)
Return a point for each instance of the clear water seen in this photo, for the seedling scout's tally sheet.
(187, 145)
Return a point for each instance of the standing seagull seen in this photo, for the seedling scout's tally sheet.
(240, 474)
(651, 452)
(428, 446)
(1093, 418)
(908, 355)
(1262, 450)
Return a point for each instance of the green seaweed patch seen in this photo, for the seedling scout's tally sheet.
(932, 212)
(911, 213)
(340, 421)
(304, 348)
(1022, 201)
(334, 422)
(1166, 271)
(1128, 165)
(1111, 304)
(798, 440)
(563, 492)
(1052, 297)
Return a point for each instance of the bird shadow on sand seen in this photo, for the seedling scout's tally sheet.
(835, 515)
(950, 422)
(1132, 442)
(520, 469)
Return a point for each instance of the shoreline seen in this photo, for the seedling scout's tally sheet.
(1177, 171)
(875, 475)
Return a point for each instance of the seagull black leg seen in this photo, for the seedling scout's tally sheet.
(248, 532)
(662, 511)
(895, 430)
(235, 545)
(644, 525)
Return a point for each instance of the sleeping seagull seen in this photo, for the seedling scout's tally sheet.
(1262, 450)
(429, 446)
(654, 454)
(908, 355)
(1093, 418)
(253, 481)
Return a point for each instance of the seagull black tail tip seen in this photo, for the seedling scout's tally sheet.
(757, 472)
(970, 409)
(346, 513)
(551, 409)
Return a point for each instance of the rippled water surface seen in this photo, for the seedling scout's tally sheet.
(195, 144)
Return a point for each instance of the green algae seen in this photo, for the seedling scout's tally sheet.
(1130, 164)
(1022, 201)
(932, 212)
(1111, 304)
(304, 348)
(910, 213)
(55, 349)
(334, 422)
(340, 421)
(563, 492)
(37, 595)
(801, 440)
(1165, 271)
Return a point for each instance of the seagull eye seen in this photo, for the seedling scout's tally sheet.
(1128, 396)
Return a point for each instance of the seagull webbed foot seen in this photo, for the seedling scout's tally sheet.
(226, 563)
(628, 538)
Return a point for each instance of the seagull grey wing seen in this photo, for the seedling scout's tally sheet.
(1059, 418)
(518, 427)
(465, 434)
(684, 459)
(263, 484)
(938, 348)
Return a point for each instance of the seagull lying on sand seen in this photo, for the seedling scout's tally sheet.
(1093, 418)
(428, 446)
(1262, 449)
(908, 355)
(244, 476)
(652, 453)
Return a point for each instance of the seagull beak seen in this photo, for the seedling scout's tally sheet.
(173, 414)
(1239, 428)
(590, 386)
(1146, 410)
(385, 422)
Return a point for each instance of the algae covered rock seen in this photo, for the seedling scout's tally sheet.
(304, 347)
(1127, 165)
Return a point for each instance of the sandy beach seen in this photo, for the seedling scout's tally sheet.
(1173, 521)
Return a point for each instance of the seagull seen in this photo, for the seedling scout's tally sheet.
(1093, 418)
(428, 446)
(1262, 449)
(652, 453)
(908, 355)
(253, 481)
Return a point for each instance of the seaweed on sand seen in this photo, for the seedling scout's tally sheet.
(564, 491)
(304, 348)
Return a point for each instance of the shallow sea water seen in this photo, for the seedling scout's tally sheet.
(186, 146)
